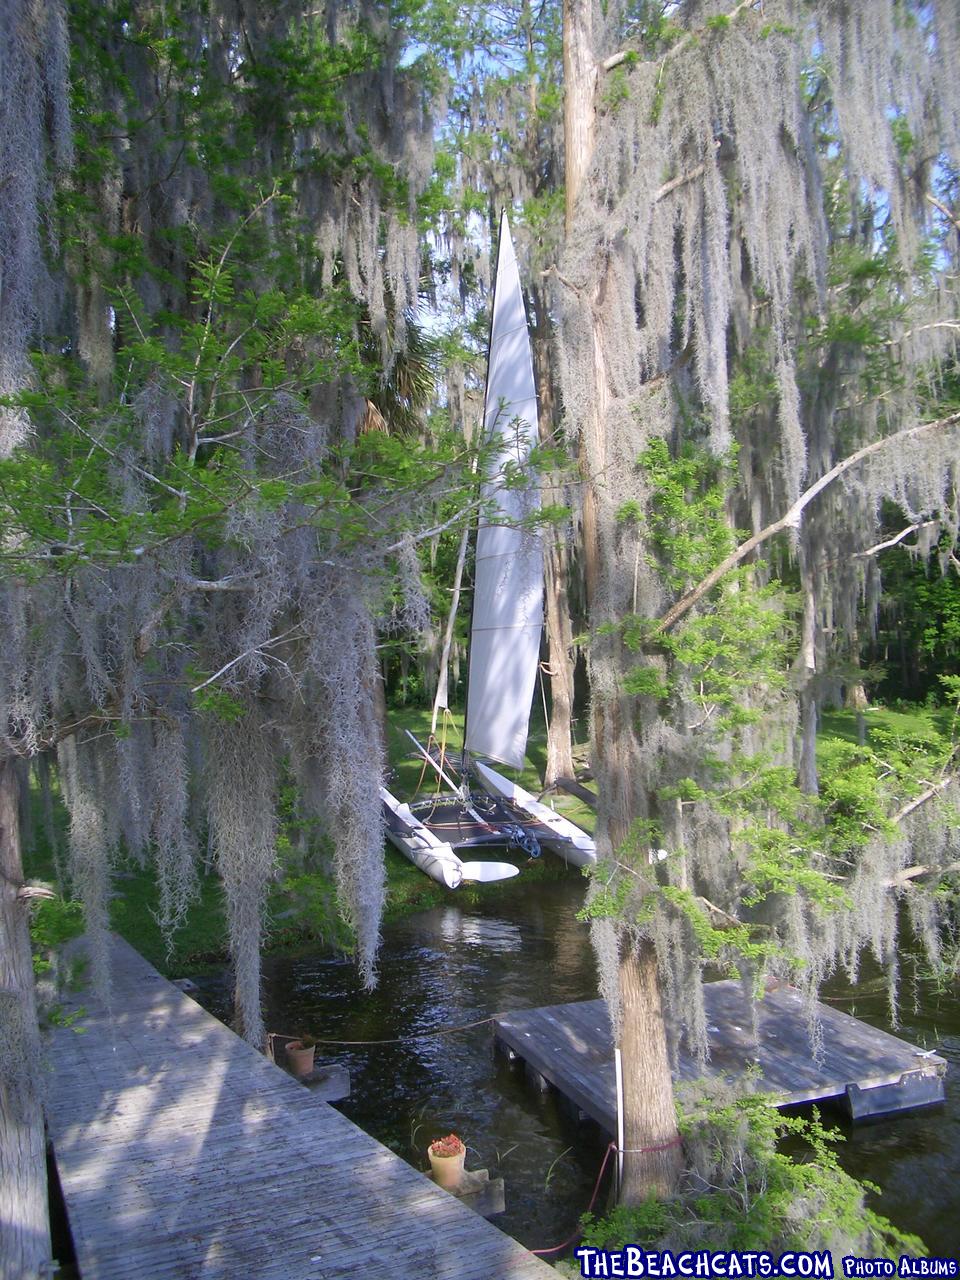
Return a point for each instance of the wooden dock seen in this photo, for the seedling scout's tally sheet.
(185, 1155)
(569, 1046)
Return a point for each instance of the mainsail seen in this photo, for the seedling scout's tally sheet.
(508, 590)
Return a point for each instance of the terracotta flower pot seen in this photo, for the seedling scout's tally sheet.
(300, 1057)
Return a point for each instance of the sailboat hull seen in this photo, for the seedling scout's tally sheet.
(424, 843)
(557, 833)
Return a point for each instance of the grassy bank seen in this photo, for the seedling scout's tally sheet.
(301, 908)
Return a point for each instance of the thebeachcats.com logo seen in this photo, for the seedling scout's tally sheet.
(734, 1264)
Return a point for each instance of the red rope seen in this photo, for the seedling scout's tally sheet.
(611, 1146)
(641, 1151)
(558, 1248)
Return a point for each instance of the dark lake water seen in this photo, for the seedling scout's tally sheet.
(462, 963)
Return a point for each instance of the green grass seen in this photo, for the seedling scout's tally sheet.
(411, 775)
(903, 721)
(301, 909)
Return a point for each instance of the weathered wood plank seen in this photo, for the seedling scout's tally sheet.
(571, 1046)
(184, 1154)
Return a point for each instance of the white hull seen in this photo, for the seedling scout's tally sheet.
(432, 855)
(566, 839)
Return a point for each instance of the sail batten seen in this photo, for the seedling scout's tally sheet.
(508, 592)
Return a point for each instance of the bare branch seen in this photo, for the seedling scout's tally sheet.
(554, 271)
(922, 328)
(933, 790)
(681, 180)
(938, 204)
(33, 892)
(141, 471)
(437, 528)
(893, 542)
(247, 653)
(615, 59)
(791, 518)
(909, 874)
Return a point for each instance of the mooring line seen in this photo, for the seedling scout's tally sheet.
(559, 1248)
(419, 1035)
(611, 1148)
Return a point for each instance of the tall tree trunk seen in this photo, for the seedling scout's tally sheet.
(560, 659)
(557, 625)
(652, 1156)
(579, 100)
(807, 778)
(579, 132)
(649, 1119)
(25, 1250)
(441, 698)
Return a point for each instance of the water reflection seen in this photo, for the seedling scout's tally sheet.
(457, 965)
(478, 931)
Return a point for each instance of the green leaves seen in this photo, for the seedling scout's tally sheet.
(646, 681)
(731, 659)
(686, 517)
(756, 1168)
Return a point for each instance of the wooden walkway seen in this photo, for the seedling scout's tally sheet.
(186, 1155)
(570, 1047)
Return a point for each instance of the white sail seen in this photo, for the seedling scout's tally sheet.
(508, 591)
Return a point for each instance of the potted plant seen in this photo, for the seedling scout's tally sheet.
(300, 1054)
(446, 1161)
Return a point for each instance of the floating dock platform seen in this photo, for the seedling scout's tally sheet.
(871, 1072)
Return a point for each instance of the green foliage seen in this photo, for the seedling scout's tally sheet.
(723, 947)
(646, 681)
(862, 785)
(57, 1016)
(753, 383)
(644, 1224)
(218, 702)
(743, 639)
(53, 922)
(919, 621)
(745, 1191)
(686, 518)
(616, 88)
(727, 666)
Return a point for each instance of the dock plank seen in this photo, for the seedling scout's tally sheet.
(185, 1154)
(571, 1046)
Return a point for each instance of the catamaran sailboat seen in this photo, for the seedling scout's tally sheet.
(483, 808)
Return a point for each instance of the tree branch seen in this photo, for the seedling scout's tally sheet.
(141, 471)
(553, 270)
(909, 874)
(933, 790)
(922, 328)
(791, 518)
(247, 653)
(938, 204)
(893, 542)
(438, 528)
(681, 180)
(615, 59)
